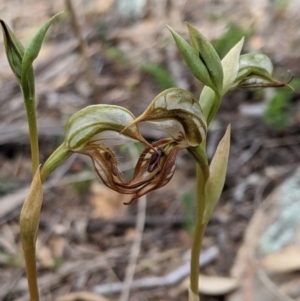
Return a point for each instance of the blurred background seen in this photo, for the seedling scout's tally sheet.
(120, 52)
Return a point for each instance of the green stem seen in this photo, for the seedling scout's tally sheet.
(200, 157)
(199, 231)
(57, 157)
(29, 255)
(33, 133)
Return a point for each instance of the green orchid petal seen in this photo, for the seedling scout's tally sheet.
(101, 124)
(176, 112)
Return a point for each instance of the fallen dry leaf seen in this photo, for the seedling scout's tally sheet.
(81, 296)
(215, 286)
(103, 6)
(106, 203)
(44, 256)
(57, 245)
(286, 260)
(251, 267)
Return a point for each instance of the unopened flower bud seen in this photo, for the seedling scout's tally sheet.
(14, 50)
(201, 58)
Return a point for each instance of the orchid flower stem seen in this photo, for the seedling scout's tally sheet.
(30, 260)
(30, 253)
(199, 232)
(200, 157)
(33, 133)
(57, 157)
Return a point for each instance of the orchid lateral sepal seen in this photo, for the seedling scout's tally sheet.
(106, 167)
(154, 168)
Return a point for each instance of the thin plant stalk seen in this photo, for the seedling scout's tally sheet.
(199, 231)
(30, 253)
(33, 133)
(57, 157)
(31, 272)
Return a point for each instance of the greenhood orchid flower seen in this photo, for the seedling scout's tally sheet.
(94, 131)
(177, 113)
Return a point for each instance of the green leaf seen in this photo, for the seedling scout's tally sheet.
(33, 49)
(209, 100)
(230, 65)
(216, 180)
(30, 213)
(192, 59)
(14, 50)
(208, 56)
